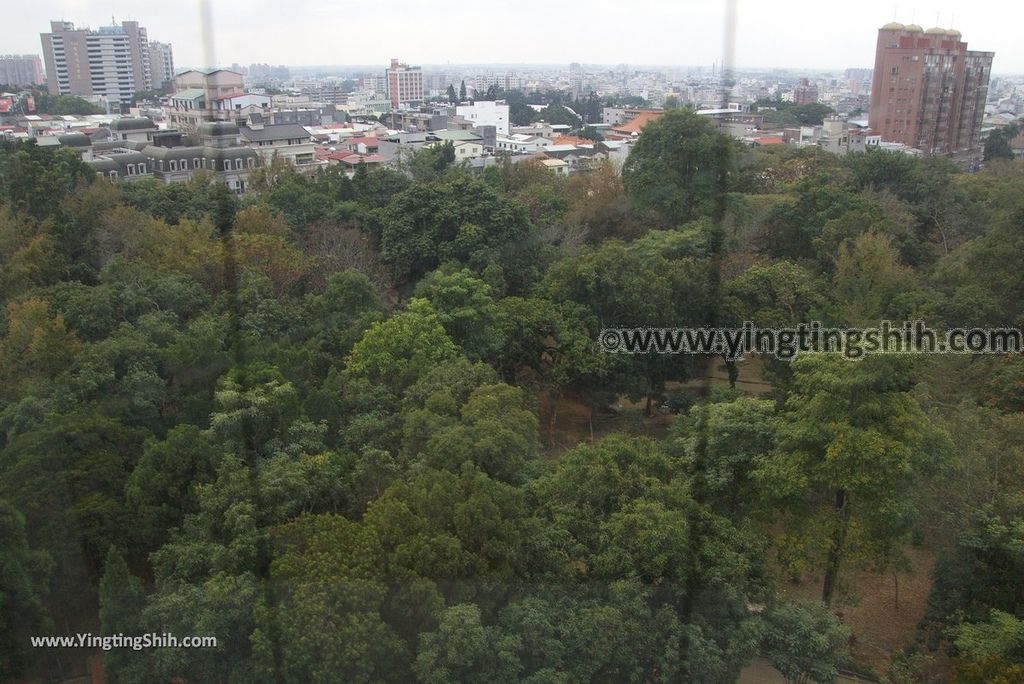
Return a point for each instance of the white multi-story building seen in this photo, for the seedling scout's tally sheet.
(161, 65)
(487, 113)
(111, 62)
(207, 95)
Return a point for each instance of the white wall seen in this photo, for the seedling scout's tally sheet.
(487, 113)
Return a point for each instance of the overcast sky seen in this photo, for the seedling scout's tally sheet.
(786, 33)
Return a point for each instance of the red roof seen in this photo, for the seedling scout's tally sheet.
(769, 140)
(331, 155)
(369, 142)
(637, 123)
(354, 159)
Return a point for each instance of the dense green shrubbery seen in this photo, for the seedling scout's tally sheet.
(306, 421)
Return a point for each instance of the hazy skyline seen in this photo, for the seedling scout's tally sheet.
(790, 34)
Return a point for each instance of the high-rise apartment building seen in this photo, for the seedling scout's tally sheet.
(112, 61)
(21, 70)
(378, 84)
(405, 83)
(161, 65)
(805, 92)
(928, 90)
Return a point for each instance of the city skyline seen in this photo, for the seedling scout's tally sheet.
(787, 35)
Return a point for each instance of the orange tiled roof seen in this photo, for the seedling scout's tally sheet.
(637, 123)
(571, 140)
(770, 140)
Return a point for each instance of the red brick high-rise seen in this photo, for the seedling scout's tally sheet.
(929, 91)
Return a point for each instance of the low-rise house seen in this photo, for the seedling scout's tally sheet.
(468, 149)
(634, 126)
(540, 128)
(557, 166)
(352, 161)
(468, 144)
(239, 107)
(290, 142)
(360, 144)
(578, 158)
(135, 129)
(519, 143)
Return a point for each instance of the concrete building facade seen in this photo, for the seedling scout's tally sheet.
(112, 62)
(928, 91)
(21, 70)
(487, 113)
(405, 83)
(161, 65)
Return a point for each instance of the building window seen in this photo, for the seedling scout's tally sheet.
(142, 168)
(227, 164)
(131, 169)
(112, 174)
(197, 163)
(252, 162)
(238, 164)
(173, 165)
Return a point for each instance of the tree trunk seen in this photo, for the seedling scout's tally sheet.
(896, 586)
(647, 409)
(837, 547)
(593, 409)
(552, 413)
(734, 372)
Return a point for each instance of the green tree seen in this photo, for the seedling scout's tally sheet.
(997, 145)
(466, 308)
(805, 642)
(991, 651)
(395, 352)
(464, 650)
(679, 167)
(122, 601)
(722, 444)
(23, 581)
(852, 444)
(458, 219)
(162, 488)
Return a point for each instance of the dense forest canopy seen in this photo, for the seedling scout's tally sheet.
(319, 421)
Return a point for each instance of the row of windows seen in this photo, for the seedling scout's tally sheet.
(197, 163)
